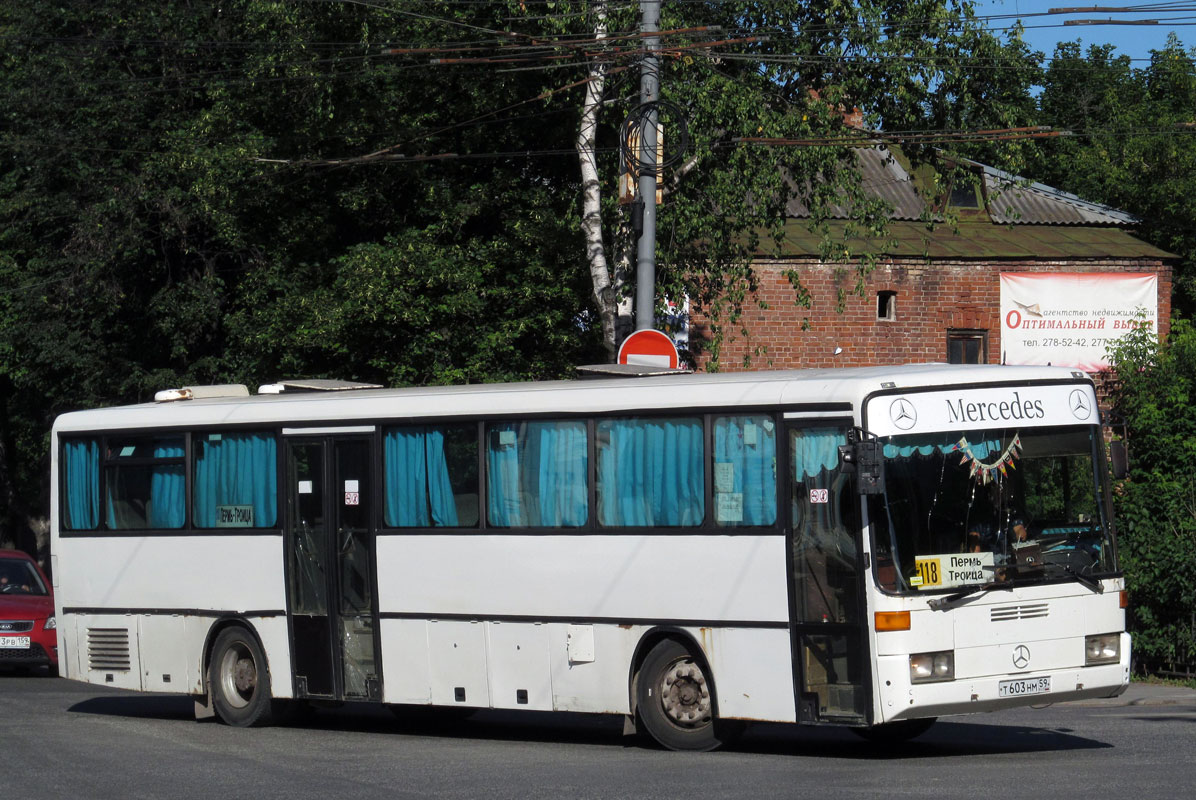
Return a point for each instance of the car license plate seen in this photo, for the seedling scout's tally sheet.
(14, 642)
(1024, 686)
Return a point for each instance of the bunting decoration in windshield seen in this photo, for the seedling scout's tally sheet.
(983, 471)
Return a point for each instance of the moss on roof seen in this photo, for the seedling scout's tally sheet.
(970, 240)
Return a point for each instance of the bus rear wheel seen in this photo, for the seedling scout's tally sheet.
(239, 679)
(675, 699)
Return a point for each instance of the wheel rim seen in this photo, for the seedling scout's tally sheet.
(238, 675)
(685, 695)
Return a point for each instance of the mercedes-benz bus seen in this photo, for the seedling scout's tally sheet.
(871, 548)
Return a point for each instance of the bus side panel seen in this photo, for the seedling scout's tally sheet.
(165, 572)
(406, 671)
(591, 666)
(646, 579)
(753, 673)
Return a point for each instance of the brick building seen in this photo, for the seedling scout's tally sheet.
(937, 295)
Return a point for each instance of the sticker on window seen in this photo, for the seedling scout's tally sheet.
(728, 506)
(724, 477)
(234, 516)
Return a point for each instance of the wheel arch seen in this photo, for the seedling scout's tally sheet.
(219, 626)
(686, 639)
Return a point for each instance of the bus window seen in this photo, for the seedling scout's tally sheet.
(82, 489)
(536, 474)
(235, 480)
(745, 471)
(431, 476)
(650, 472)
(145, 482)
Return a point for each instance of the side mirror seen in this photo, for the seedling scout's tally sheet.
(865, 458)
(1120, 458)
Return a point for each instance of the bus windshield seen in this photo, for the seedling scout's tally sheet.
(989, 505)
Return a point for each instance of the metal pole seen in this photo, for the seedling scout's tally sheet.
(645, 270)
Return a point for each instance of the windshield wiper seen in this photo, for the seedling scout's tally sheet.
(938, 603)
(1087, 581)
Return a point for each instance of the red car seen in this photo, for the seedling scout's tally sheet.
(28, 636)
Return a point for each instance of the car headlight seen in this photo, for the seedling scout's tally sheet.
(1102, 649)
(50, 624)
(931, 667)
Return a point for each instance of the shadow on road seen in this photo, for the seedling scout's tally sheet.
(945, 740)
(145, 706)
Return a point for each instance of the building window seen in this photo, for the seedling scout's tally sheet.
(886, 305)
(967, 347)
(965, 195)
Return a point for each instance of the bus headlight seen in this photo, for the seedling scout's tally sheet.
(1102, 649)
(930, 667)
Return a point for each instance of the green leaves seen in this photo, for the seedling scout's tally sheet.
(1155, 396)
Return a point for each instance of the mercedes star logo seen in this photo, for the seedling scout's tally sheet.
(902, 414)
(1021, 656)
(1080, 407)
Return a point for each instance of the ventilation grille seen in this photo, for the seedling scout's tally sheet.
(1026, 611)
(108, 649)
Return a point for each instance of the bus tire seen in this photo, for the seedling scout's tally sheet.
(894, 732)
(675, 699)
(239, 679)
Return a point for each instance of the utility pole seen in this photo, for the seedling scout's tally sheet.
(645, 269)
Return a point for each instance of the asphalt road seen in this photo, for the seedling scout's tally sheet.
(61, 739)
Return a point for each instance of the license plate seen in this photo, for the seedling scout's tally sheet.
(1023, 686)
(14, 642)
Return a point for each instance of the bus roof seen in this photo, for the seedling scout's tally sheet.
(789, 388)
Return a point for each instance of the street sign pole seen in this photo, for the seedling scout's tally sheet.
(645, 270)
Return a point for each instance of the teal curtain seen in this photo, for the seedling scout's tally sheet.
(235, 469)
(82, 476)
(167, 487)
(650, 472)
(747, 447)
(536, 474)
(419, 493)
(940, 443)
(815, 450)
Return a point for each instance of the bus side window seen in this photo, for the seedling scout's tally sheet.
(431, 476)
(235, 480)
(651, 472)
(145, 483)
(537, 474)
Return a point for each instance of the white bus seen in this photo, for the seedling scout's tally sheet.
(871, 548)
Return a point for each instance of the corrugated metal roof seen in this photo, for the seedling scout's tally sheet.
(1011, 200)
(973, 239)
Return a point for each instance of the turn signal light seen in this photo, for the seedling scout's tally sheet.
(892, 621)
(1124, 599)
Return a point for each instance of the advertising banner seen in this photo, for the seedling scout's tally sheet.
(1068, 319)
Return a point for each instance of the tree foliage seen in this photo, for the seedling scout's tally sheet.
(1133, 145)
(1155, 399)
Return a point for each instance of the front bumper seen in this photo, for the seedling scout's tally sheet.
(899, 699)
(42, 651)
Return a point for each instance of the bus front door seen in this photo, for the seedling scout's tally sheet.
(828, 633)
(330, 548)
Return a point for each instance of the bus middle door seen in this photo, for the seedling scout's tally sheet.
(330, 547)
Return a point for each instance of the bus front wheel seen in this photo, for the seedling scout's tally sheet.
(675, 700)
(239, 679)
